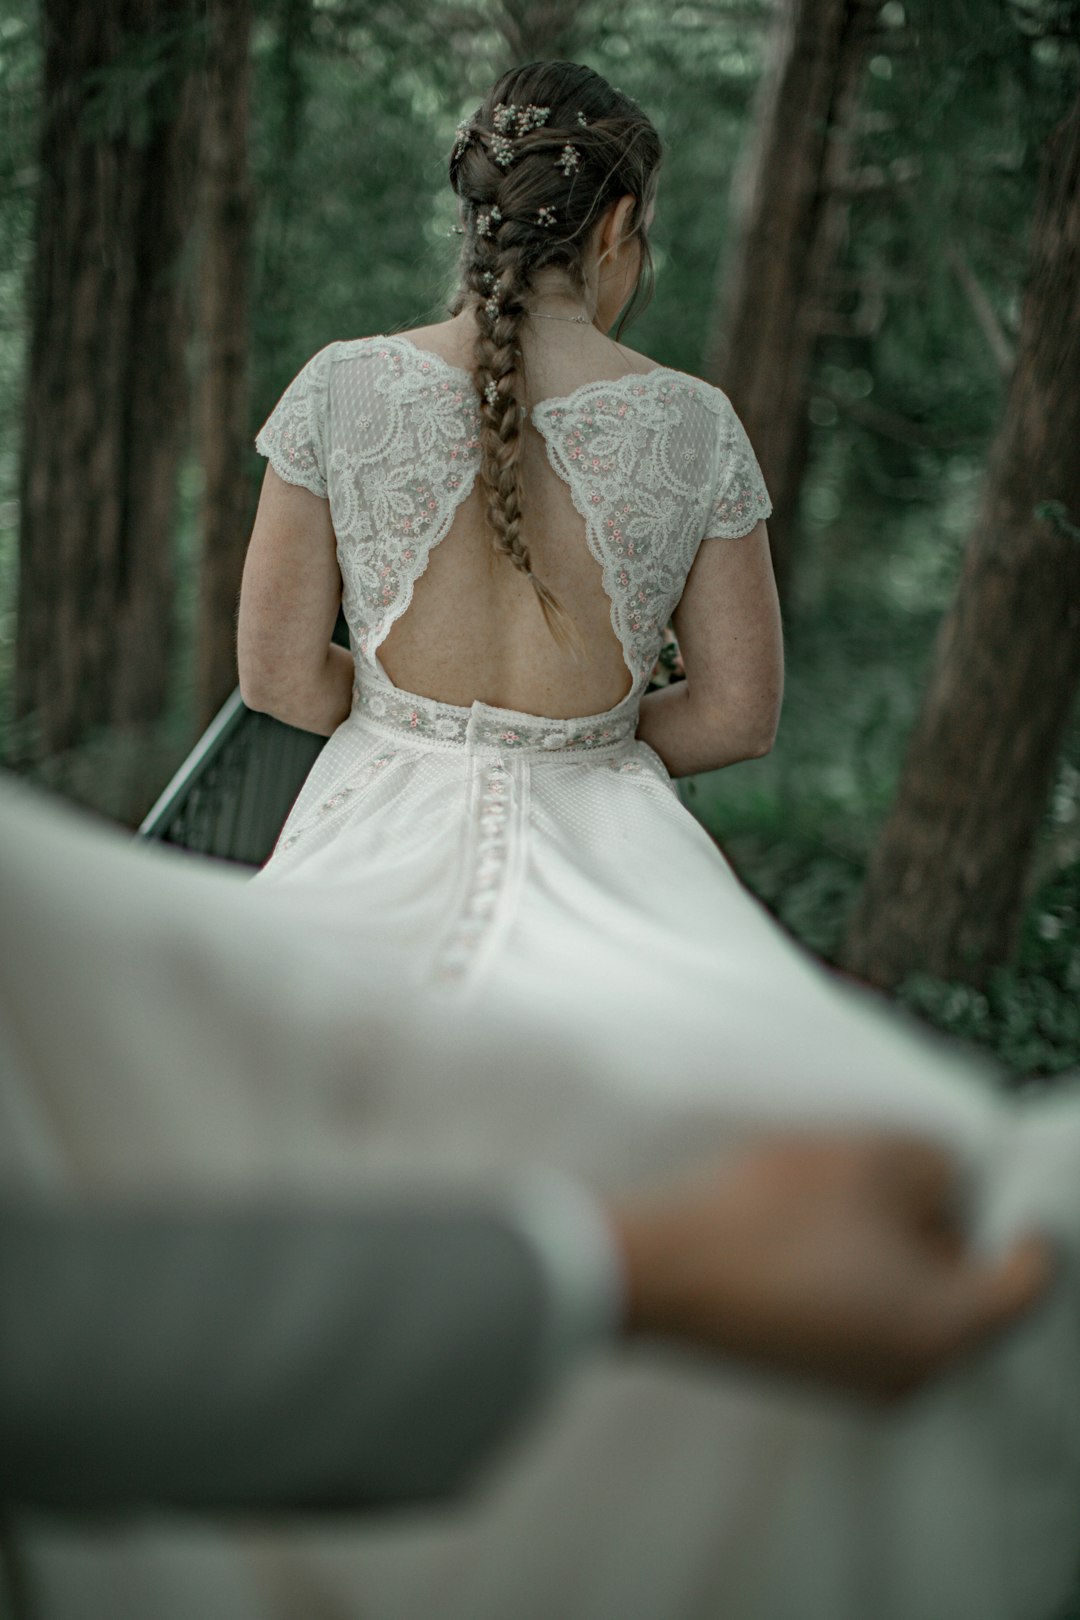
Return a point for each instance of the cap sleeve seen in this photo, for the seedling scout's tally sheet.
(293, 435)
(740, 499)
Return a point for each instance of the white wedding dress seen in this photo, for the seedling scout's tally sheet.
(485, 940)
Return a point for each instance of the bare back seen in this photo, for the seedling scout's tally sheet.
(474, 630)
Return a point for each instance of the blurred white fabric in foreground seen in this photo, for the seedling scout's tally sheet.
(165, 1023)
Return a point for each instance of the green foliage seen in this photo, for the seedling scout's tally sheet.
(1027, 1019)
(1028, 1013)
(799, 825)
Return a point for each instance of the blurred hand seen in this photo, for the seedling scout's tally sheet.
(839, 1258)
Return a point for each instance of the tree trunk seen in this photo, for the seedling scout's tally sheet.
(789, 215)
(538, 30)
(224, 279)
(106, 397)
(947, 882)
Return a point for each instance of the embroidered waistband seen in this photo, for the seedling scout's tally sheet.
(484, 726)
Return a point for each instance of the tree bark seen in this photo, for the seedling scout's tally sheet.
(106, 397)
(790, 199)
(223, 393)
(538, 30)
(947, 882)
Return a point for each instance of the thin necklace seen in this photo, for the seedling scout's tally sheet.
(580, 320)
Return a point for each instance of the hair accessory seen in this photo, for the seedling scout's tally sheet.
(531, 117)
(491, 392)
(486, 219)
(492, 307)
(545, 216)
(582, 120)
(464, 134)
(568, 160)
(509, 120)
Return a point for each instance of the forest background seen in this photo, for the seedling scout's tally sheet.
(868, 234)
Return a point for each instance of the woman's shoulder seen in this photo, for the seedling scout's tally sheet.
(376, 345)
(713, 397)
(639, 363)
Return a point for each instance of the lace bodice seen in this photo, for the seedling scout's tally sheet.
(655, 462)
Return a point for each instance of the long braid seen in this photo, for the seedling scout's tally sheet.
(510, 169)
(502, 284)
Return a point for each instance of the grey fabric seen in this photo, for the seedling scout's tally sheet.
(262, 1358)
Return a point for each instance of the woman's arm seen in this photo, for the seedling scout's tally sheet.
(289, 601)
(731, 640)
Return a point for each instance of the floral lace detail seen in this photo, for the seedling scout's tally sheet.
(406, 450)
(292, 436)
(654, 461)
(486, 726)
(741, 499)
(639, 457)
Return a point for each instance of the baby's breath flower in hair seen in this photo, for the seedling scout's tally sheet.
(508, 120)
(464, 136)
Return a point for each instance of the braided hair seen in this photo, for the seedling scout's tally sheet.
(548, 151)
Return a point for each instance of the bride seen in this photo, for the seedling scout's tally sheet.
(510, 506)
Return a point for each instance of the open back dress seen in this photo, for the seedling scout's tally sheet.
(526, 900)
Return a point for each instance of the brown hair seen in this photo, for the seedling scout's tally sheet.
(510, 169)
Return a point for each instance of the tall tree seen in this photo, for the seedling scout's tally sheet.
(538, 30)
(788, 219)
(223, 288)
(946, 884)
(106, 401)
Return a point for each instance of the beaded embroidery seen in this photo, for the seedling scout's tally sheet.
(302, 821)
(486, 726)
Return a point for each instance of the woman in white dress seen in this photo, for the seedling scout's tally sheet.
(511, 507)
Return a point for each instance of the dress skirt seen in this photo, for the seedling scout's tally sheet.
(476, 949)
